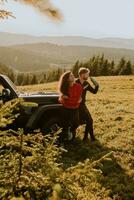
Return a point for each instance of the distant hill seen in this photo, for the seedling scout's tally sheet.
(22, 60)
(43, 56)
(7, 39)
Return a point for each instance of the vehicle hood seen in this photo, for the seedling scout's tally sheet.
(42, 98)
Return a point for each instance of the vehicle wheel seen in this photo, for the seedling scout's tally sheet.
(51, 126)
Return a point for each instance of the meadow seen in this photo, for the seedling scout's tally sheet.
(32, 167)
(112, 109)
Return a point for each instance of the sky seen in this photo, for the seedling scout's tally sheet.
(89, 18)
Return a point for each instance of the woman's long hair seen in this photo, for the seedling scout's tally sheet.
(64, 83)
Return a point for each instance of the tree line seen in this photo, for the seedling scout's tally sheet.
(98, 65)
(31, 78)
(101, 66)
(36, 77)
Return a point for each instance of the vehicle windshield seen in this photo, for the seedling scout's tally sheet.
(12, 85)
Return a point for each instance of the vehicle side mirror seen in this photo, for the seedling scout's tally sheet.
(6, 93)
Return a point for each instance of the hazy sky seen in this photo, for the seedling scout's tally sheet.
(92, 18)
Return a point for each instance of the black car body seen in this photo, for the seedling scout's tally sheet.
(44, 112)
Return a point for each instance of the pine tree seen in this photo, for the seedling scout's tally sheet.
(127, 69)
(120, 66)
(75, 68)
(112, 68)
(20, 78)
(50, 11)
(34, 80)
(26, 80)
(105, 68)
(96, 67)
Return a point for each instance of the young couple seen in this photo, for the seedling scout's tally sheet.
(72, 96)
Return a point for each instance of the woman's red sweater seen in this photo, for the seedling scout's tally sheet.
(74, 95)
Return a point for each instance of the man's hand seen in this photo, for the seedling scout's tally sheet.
(94, 81)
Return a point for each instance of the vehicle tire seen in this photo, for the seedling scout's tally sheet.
(51, 126)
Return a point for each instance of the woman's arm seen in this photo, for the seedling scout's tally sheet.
(80, 100)
(63, 97)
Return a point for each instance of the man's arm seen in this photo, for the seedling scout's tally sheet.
(90, 88)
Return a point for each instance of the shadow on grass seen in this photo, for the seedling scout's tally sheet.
(114, 177)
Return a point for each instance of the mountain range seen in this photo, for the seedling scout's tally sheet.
(31, 53)
(8, 39)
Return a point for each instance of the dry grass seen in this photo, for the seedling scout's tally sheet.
(113, 112)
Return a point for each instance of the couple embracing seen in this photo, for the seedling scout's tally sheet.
(73, 97)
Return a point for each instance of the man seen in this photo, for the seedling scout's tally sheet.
(85, 115)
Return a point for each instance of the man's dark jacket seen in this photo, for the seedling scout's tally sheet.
(87, 87)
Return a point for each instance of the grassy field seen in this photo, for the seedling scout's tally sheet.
(112, 109)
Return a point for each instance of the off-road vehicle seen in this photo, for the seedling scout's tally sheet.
(44, 112)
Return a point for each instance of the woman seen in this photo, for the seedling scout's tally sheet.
(70, 98)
